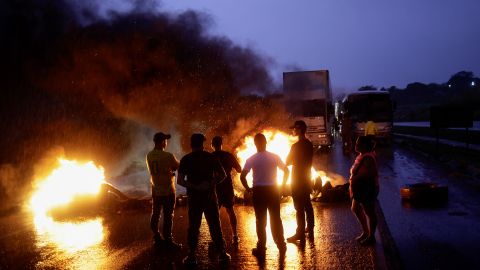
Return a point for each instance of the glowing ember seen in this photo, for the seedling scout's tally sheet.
(64, 183)
(278, 143)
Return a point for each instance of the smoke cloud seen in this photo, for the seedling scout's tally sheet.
(99, 83)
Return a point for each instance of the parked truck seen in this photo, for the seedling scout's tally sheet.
(308, 97)
(371, 105)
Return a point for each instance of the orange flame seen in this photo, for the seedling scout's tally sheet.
(279, 143)
(68, 180)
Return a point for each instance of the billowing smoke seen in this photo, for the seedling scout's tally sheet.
(99, 83)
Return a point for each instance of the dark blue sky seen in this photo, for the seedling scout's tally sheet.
(375, 42)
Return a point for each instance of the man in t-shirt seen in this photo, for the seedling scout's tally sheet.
(224, 189)
(266, 194)
(300, 157)
(199, 172)
(162, 166)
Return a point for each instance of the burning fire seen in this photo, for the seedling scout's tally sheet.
(279, 143)
(68, 180)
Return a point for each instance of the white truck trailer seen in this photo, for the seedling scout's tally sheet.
(308, 97)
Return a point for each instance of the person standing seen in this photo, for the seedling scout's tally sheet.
(266, 194)
(224, 189)
(199, 172)
(300, 157)
(162, 166)
(371, 129)
(346, 134)
(364, 188)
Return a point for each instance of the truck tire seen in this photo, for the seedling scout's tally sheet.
(424, 192)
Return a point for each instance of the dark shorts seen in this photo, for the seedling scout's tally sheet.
(363, 191)
(365, 195)
(225, 195)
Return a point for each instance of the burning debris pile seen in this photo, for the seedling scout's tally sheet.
(99, 84)
(328, 187)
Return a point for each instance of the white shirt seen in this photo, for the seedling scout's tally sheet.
(264, 165)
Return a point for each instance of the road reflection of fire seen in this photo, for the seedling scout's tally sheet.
(68, 180)
(278, 143)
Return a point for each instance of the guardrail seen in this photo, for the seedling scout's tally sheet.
(471, 137)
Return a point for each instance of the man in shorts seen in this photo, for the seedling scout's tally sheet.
(225, 194)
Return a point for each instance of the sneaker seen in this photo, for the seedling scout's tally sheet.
(369, 241)
(172, 244)
(259, 252)
(296, 237)
(235, 240)
(158, 240)
(190, 260)
(224, 257)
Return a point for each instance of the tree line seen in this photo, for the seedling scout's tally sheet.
(413, 102)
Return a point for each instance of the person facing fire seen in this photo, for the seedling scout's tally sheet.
(162, 166)
(224, 189)
(199, 172)
(300, 157)
(266, 194)
(364, 188)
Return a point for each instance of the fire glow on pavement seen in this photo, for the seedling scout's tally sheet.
(60, 187)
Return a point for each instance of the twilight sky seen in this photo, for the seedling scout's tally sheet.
(377, 42)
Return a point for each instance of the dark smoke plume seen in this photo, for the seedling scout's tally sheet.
(91, 83)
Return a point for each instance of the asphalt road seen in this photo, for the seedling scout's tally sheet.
(445, 237)
(126, 243)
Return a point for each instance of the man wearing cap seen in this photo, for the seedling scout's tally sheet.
(199, 172)
(300, 157)
(224, 189)
(162, 166)
(266, 194)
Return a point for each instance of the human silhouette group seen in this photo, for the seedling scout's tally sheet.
(206, 177)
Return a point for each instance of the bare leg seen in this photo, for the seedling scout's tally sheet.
(369, 209)
(358, 211)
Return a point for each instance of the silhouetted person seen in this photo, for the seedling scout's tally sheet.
(266, 194)
(300, 157)
(336, 126)
(199, 172)
(347, 134)
(370, 129)
(364, 188)
(162, 166)
(225, 194)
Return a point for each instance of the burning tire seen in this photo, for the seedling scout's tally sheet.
(424, 192)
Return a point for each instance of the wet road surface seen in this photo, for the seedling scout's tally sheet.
(126, 244)
(440, 238)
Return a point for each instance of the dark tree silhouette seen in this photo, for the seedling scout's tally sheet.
(367, 88)
(461, 80)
